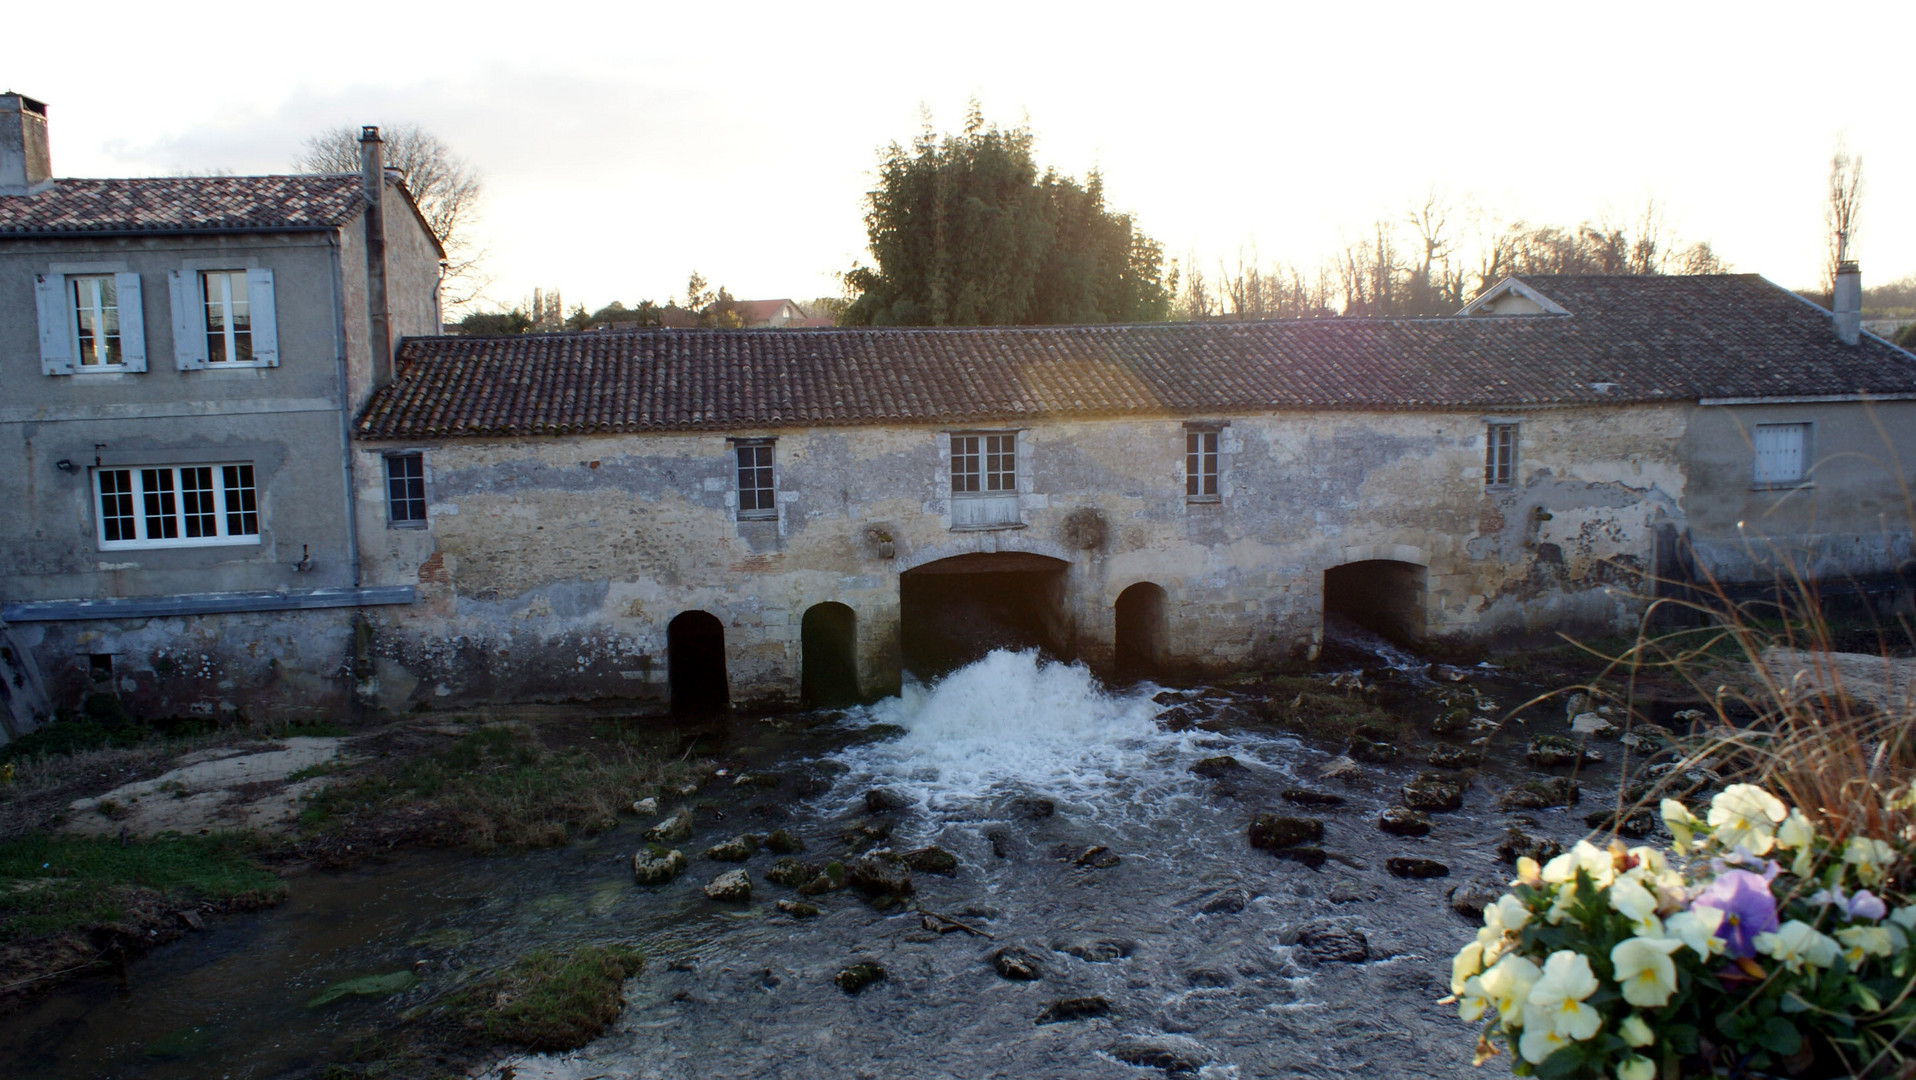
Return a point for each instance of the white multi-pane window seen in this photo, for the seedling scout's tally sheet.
(757, 494)
(1781, 453)
(229, 318)
(984, 464)
(96, 320)
(177, 505)
(1200, 465)
(1500, 455)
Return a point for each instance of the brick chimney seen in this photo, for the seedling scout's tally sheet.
(26, 166)
(1847, 303)
(372, 180)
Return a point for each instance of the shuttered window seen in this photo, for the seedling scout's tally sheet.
(1781, 453)
(177, 506)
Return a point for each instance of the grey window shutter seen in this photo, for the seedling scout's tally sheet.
(56, 343)
(132, 322)
(259, 298)
(189, 321)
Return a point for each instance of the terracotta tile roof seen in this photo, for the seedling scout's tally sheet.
(182, 204)
(1625, 340)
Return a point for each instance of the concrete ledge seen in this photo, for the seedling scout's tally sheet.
(142, 607)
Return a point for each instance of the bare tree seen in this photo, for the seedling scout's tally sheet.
(1845, 200)
(446, 187)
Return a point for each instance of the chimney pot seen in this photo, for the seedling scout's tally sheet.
(26, 164)
(1846, 303)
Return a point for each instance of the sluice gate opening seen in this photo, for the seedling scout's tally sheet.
(695, 663)
(828, 655)
(954, 611)
(1381, 595)
(1141, 641)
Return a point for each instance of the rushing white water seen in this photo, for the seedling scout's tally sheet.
(1014, 722)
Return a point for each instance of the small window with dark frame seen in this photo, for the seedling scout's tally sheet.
(984, 464)
(1500, 455)
(757, 494)
(1200, 465)
(406, 489)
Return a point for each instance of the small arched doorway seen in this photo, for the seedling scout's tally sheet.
(1381, 595)
(1140, 638)
(695, 663)
(828, 655)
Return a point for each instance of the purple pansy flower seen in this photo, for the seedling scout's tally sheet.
(1747, 906)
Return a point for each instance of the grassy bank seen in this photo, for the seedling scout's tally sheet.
(54, 884)
(549, 1000)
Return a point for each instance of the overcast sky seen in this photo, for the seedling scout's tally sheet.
(624, 145)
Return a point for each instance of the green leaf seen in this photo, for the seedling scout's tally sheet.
(1780, 1037)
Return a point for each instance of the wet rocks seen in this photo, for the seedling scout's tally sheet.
(1272, 831)
(737, 849)
(1100, 951)
(1434, 792)
(884, 801)
(1452, 757)
(1219, 768)
(1346, 891)
(1000, 841)
(756, 780)
(858, 976)
(1403, 821)
(932, 860)
(1472, 897)
(1372, 751)
(645, 807)
(1174, 1054)
(1226, 902)
(1330, 942)
(1555, 751)
(734, 886)
(1308, 855)
(865, 835)
(781, 842)
(1031, 808)
(1594, 724)
(657, 866)
(1636, 824)
(1096, 856)
(1541, 794)
(673, 829)
(1341, 768)
(1517, 844)
(882, 881)
(798, 909)
(1447, 673)
(1307, 797)
(1416, 868)
(790, 873)
(829, 879)
(1080, 1008)
(1451, 721)
(1012, 962)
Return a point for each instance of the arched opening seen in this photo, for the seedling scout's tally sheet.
(695, 663)
(1141, 640)
(1381, 595)
(828, 655)
(954, 611)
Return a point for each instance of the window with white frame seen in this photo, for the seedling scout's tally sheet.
(95, 304)
(406, 490)
(177, 505)
(1500, 455)
(1200, 464)
(984, 464)
(229, 318)
(757, 492)
(1781, 453)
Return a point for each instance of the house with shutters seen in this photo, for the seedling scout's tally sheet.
(182, 359)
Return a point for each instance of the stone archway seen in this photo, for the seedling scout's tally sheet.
(954, 610)
(828, 655)
(695, 663)
(1382, 595)
(1141, 641)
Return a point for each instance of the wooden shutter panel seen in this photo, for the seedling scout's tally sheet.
(259, 298)
(132, 322)
(56, 343)
(189, 320)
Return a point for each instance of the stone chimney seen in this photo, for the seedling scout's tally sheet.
(1847, 303)
(26, 166)
(372, 179)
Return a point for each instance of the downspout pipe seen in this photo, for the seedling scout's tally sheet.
(346, 407)
(372, 181)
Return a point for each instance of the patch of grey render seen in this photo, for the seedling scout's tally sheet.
(647, 477)
(569, 599)
(1527, 511)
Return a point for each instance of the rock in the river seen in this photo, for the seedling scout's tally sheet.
(881, 881)
(1593, 724)
(1307, 797)
(798, 909)
(1431, 791)
(1217, 768)
(1012, 962)
(737, 849)
(1416, 868)
(1032, 809)
(1101, 951)
(1347, 891)
(1225, 902)
(1447, 673)
(1472, 897)
(1541, 794)
(1403, 821)
(656, 866)
(1276, 831)
(1554, 751)
(932, 860)
(1312, 857)
(733, 885)
(884, 801)
(646, 807)
(1175, 1055)
(1372, 752)
(1451, 721)
(790, 873)
(1635, 825)
(781, 842)
(1517, 844)
(858, 976)
(1330, 942)
(756, 780)
(1081, 1008)
(673, 829)
(1341, 768)
(829, 879)
(1578, 704)
(1452, 757)
(1000, 841)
